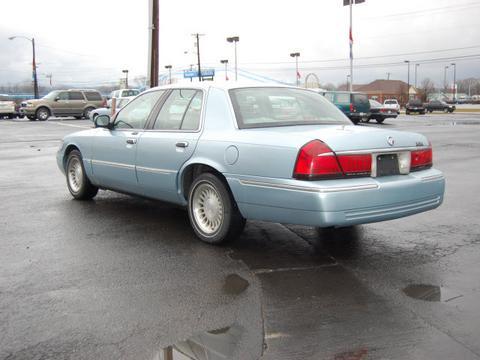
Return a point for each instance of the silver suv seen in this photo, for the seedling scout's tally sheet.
(76, 103)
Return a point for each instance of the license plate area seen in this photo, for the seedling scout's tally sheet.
(387, 165)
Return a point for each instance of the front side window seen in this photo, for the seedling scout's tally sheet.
(271, 106)
(181, 111)
(135, 114)
(63, 96)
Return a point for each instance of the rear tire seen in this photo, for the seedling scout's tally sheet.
(212, 211)
(380, 121)
(77, 181)
(87, 111)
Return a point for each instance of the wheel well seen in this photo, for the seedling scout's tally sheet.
(68, 150)
(43, 107)
(193, 171)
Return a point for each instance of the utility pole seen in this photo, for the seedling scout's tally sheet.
(34, 64)
(445, 78)
(388, 75)
(153, 38)
(234, 39)
(49, 77)
(416, 66)
(296, 55)
(169, 67)
(350, 36)
(454, 82)
(225, 62)
(197, 36)
(348, 81)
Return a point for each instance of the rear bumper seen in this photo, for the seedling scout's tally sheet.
(338, 202)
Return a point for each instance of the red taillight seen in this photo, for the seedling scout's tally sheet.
(317, 161)
(421, 159)
(104, 103)
(352, 108)
(354, 165)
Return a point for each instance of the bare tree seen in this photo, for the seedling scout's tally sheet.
(426, 88)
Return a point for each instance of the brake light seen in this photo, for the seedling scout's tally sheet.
(352, 108)
(316, 160)
(355, 165)
(421, 159)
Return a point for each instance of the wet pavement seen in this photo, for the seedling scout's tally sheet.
(125, 278)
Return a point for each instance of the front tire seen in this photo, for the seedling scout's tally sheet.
(42, 114)
(380, 121)
(212, 211)
(78, 184)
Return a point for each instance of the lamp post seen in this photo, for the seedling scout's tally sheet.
(350, 35)
(416, 67)
(408, 79)
(445, 78)
(454, 82)
(126, 77)
(225, 62)
(234, 39)
(34, 64)
(169, 67)
(348, 81)
(296, 55)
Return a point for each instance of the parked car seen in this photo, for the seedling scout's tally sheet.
(7, 109)
(274, 153)
(379, 112)
(392, 104)
(122, 93)
(76, 103)
(354, 105)
(415, 106)
(121, 102)
(437, 105)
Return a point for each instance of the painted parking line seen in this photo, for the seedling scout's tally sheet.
(70, 125)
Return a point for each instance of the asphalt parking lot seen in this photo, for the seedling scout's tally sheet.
(124, 278)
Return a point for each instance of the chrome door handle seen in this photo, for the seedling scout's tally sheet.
(131, 141)
(182, 144)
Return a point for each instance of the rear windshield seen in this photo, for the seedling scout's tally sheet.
(271, 106)
(342, 98)
(360, 99)
(415, 102)
(126, 93)
(93, 96)
(391, 102)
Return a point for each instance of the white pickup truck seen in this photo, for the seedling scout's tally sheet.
(392, 104)
(7, 109)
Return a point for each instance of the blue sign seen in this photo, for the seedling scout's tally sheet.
(194, 73)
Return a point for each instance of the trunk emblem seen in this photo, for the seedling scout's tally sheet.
(390, 141)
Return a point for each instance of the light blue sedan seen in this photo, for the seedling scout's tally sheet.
(229, 153)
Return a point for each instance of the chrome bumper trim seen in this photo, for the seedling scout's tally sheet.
(112, 164)
(433, 177)
(307, 188)
(155, 170)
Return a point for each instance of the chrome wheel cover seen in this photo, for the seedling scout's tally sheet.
(75, 175)
(207, 208)
(43, 114)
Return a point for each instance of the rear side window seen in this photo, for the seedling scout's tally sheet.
(93, 96)
(342, 98)
(181, 111)
(76, 95)
(360, 99)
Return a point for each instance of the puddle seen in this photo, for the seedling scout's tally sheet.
(431, 293)
(215, 344)
(235, 284)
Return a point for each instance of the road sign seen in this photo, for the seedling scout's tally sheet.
(194, 73)
(347, 2)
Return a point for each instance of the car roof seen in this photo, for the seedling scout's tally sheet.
(205, 85)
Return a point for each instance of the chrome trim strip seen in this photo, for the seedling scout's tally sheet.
(155, 170)
(308, 189)
(381, 151)
(112, 164)
(433, 177)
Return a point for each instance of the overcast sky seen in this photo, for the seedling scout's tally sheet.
(89, 42)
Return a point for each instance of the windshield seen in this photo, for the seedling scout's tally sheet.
(271, 106)
(51, 95)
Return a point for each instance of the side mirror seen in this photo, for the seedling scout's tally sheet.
(57, 98)
(102, 121)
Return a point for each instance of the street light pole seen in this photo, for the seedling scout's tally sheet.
(351, 47)
(408, 79)
(197, 36)
(34, 64)
(126, 77)
(348, 76)
(234, 39)
(388, 75)
(169, 67)
(454, 82)
(296, 55)
(225, 62)
(416, 66)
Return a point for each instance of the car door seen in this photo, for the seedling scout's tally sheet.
(169, 143)
(114, 150)
(61, 103)
(77, 103)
